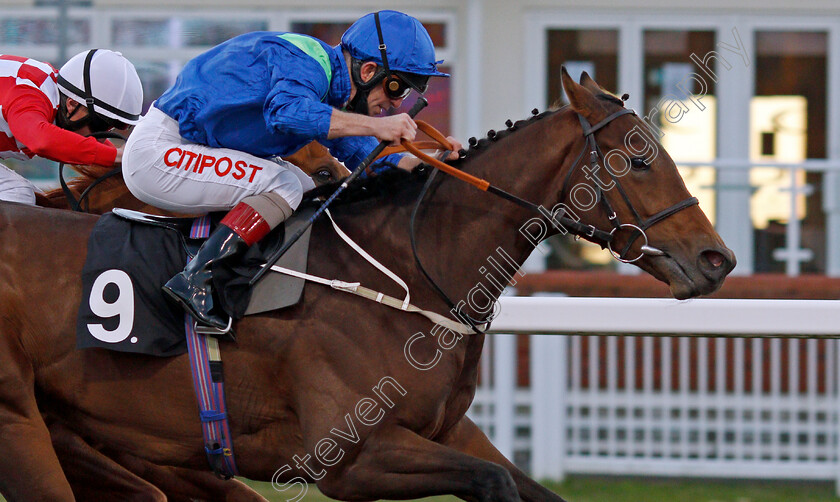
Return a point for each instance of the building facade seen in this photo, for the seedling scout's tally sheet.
(746, 95)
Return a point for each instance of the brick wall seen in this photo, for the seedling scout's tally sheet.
(604, 284)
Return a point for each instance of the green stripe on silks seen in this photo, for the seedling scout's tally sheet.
(311, 48)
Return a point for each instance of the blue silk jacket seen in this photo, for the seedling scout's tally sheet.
(267, 94)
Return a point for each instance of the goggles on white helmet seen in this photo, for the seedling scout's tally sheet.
(107, 84)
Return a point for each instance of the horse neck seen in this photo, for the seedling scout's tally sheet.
(483, 246)
(469, 240)
(112, 193)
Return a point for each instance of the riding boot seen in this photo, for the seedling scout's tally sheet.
(193, 288)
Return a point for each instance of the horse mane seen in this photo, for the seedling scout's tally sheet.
(371, 188)
(393, 180)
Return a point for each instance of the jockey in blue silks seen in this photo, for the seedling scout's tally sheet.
(208, 142)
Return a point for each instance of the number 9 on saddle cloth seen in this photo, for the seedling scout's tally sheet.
(131, 255)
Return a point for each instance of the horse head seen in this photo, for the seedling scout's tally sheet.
(595, 169)
(624, 182)
(317, 162)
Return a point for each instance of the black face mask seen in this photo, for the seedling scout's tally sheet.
(359, 103)
(96, 122)
(63, 118)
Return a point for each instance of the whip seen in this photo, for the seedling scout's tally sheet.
(419, 105)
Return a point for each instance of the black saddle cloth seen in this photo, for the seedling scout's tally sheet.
(123, 307)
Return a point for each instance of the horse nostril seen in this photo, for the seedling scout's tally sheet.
(715, 264)
(714, 258)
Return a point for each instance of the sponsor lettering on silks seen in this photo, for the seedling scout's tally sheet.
(223, 166)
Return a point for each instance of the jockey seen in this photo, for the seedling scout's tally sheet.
(49, 113)
(206, 143)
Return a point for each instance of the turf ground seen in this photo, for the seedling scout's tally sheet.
(627, 489)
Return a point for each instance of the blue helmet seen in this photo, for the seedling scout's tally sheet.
(409, 46)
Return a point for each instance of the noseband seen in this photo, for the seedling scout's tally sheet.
(597, 159)
(559, 220)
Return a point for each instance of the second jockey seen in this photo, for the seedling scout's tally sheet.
(207, 143)
(49, 113)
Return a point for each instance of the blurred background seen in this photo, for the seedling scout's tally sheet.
(764, 170)
(747, 95)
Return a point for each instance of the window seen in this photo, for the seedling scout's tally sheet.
(787, 124)
(592, 51)
(180, 32)
(683, 96)
(41, 31)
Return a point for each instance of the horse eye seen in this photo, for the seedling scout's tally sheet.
(639, 164)
(324, 175)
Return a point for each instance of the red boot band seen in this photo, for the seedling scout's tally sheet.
(247, 223)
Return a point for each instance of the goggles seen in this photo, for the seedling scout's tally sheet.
(399, 85)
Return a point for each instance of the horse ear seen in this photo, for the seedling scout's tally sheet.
(589, 83)
(582, 99)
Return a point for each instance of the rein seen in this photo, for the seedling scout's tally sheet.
(575, 227)
(605, 238)
(76, 204)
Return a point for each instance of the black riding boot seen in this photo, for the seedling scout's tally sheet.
(193, 288)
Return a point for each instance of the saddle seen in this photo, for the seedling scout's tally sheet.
(273, 291)
(132, 254)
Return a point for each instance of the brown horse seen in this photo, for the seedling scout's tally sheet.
(366, 401)
(93, 473)
(314, 159)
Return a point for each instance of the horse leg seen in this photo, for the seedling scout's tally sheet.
(94, 476)
(466, 437)
(396, 463)
(184, 485)
(29, 467)
(103, 475)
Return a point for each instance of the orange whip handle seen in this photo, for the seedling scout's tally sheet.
(439, 140)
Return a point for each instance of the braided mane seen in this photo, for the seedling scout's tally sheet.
(393, 180)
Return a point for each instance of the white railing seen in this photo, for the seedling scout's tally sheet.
(676, 403)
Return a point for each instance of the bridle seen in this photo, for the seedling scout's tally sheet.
(596, 159)
(560, 219)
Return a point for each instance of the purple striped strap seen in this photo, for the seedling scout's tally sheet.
(204, 353)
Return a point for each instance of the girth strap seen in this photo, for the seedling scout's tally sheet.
(208, 381)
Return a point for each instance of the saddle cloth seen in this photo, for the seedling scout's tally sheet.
(130, 257)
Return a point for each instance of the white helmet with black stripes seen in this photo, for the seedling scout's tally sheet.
(106, 83)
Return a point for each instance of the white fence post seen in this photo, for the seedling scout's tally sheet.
(504, 383)
(753, 420)
(548, 390)
(835, 392)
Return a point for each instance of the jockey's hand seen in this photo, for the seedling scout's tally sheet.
(456, 147)
(395, 128)
(118, 160)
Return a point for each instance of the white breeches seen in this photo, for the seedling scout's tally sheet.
(16, 188)
(165, 170)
